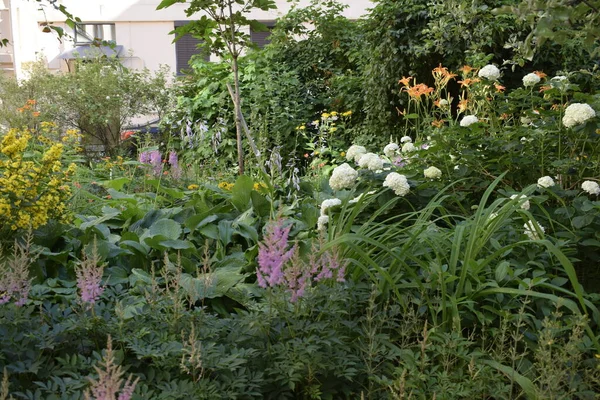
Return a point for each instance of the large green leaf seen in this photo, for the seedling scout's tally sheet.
(241, 192)
(164, 227)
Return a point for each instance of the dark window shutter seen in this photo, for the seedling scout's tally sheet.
(261, 39)
(185, 48)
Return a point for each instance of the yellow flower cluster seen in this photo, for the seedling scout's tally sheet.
(31, 190)
(259, 186)
(193, 186)
(225, 186)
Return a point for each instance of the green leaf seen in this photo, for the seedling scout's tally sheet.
(261, 205)
(583, 221)
(164, 227)
(501, 271)
(527, 386)
(168, 3)
(241, 192)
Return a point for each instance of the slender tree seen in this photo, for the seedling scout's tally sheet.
(220, 27)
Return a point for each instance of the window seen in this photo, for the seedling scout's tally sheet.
(94, 34)
(185, 48)
(261, 39)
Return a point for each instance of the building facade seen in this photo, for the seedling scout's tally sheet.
(140, 33)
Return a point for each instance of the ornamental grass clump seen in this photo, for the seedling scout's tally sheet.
(33, 188)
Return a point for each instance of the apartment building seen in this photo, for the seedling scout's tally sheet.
(140, 33)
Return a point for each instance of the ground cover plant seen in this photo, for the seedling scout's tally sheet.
(453, 255)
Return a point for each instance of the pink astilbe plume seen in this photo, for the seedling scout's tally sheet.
(298, 277)
(272, 254)
(174, 163)
(110, 379)
(89, 275)
(14, 274)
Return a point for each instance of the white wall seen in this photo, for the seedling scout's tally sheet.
(139, 27)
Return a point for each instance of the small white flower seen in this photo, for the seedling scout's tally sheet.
(530, 80)
(490, 72)
(107, 97)
(533, 230)
(329, 203)
(343, 177)
(371, 161)
(577, 114)
(525, 121)
(545, 182)
(468, 120)
(408, 147)
(355, 152)
(591, 187)
(405, 139)
(559, 78)
(391, 149)
(432, 173)
(444, 103)
(525, 205)
(397, 183)
(322, 222)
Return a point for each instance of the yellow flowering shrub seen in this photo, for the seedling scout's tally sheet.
(33, 181)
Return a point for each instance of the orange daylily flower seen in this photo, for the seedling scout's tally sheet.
(35, 113)
(468, 81)
(504, 116)
(462, 105)
(418, 90)
(544, 88)
(442, 73)
(540, 74)
(438, 123)
(499, 88)
(405, 80)
(30, 102)
(466, 70)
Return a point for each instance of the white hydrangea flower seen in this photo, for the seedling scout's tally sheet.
(560, 78)
(490, 72)
(371, 161)
(533, 229)
(530, 79)
(391, 149)
(322, 222)
(432, 173)
(468, 120)
(397, 183)
(591, 187)
(329, 203)
(545, 182)
(525, 205)
(355, 152)
(343, 177)
(408, 147)
(577, 114)
(405, 139)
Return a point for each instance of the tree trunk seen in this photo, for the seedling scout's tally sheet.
(238, 112)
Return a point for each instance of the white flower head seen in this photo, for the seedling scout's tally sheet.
(322, 222)
(468, 120)
(560, 78)
(329, 203)
(533, 230)
(525, 205)
(408, 147)
(545, 182)
(355, 152)
(490, 72)
(530, 79)
(591, 187)
(343, 177)
(398, 183)
(444, 103)
(432, 173)
(371, 161)
(577, 114)
(405, 139)
(391, 149)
